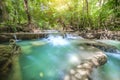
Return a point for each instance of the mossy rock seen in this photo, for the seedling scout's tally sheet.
(6, 54)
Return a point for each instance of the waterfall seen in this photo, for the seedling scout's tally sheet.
(72, 36)
(57, 40)
(15, 37)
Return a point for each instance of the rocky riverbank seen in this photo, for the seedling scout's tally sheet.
(112, 35)
(5, 37)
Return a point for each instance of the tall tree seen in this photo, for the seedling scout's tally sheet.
(87, 10)
(3, 13)
(27, 11)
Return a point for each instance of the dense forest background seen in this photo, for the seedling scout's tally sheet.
(61, 14)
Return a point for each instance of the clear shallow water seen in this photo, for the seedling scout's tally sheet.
(45, 62)
(51, 59)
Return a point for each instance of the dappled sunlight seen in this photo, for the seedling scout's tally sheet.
(74, 59)
(61, 8)
(60, 5)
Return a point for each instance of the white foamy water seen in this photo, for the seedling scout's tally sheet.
(71, 36)
(57, 40)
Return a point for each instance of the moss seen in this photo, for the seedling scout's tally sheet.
(6, 54)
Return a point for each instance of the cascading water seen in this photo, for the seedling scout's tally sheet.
(72, 36)
(57, 40)
(15, 37)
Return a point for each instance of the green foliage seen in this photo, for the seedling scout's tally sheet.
(50, 14)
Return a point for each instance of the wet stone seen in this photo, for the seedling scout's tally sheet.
(67, 77)
(72, 71)
(84, 70)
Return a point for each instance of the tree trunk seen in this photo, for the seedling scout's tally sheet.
(0, 13)
(27, 11)
(3, 13)
(87, 10)
(14, 18)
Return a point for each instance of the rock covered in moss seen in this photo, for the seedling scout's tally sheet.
(5, 59)
(6, 54)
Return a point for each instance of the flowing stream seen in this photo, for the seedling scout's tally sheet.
(52, 58)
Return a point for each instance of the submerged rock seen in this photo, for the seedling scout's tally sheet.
(100, 45)
(104, 47)
(83, 71)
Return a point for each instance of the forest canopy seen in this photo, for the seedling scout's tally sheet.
(55, 14)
